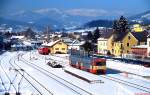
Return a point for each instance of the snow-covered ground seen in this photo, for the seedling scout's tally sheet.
(135, 69)
(47, 80)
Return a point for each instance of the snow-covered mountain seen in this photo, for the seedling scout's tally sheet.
(53, 17)
(60, 19)
(141, 18)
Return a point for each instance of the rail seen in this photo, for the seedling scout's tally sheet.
(46, 71)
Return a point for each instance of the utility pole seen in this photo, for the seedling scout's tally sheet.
(47, 33)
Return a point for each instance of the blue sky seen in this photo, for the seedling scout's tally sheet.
(104, 7)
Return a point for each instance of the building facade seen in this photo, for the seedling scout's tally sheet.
(57, 47)
(137, 28)
(102, 42)
(102, 46)
(121, 43)
(148, 46)
(139, 51)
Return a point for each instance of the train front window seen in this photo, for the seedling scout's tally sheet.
(100, 63)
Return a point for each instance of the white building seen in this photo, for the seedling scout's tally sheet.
(148, 46)
(102, 45)
(76, 45)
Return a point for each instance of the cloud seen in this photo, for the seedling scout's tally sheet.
(80, 12)
(46, 10)
(94, 12)
(117, 13)
(87, 12)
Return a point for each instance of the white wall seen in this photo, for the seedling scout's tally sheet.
(74, 47)
(148, 47)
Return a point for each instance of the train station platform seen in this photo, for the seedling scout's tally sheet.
(83, 75)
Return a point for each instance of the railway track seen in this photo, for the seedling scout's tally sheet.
(3, 83)
(134, 85)
(130, 84)
(6, 74)
(29, 81)
(58, 61)
(58, 79)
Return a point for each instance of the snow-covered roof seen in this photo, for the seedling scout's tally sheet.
(51, 43)
(19, 45)
(26, 43)
(39, 41)
(17, 37)
(67, 40)
(77, 43)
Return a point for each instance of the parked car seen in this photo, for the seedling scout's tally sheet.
(54, 64)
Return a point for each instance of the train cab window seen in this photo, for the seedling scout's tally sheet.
(100, 63)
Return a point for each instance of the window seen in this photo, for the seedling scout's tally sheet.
(60, 43)
(128, 44)
(56, 48)
(63, 48)
(112, 44)
(127, 51)
(100, 64)
(112, 50)
(121, 46)
(121, 52)
(99, 43)
(129, 37)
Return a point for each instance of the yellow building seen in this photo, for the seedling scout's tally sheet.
(137, 28)
(121, 43)
(57, 47)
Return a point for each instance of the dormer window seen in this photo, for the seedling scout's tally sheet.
(129, 37)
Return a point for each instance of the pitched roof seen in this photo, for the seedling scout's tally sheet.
(77, 43)
(119, 36)
(148, 36)
(51, 43)
(140, 36)
(106, 34)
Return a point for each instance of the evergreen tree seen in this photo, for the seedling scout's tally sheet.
(29, 33)
(96, 35)
(64, 34)
(89, 36)
(115, 25)
(123, 24)
(88, 46)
